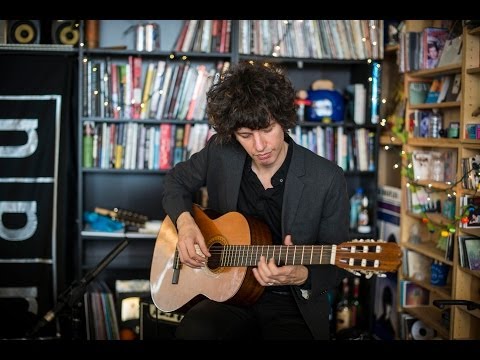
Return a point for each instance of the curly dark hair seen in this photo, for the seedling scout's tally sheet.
(250, 95)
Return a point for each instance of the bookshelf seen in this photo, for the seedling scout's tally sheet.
(140, 188)
(117, 166)
(452, 321)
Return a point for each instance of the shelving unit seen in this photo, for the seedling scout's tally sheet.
(466, 323)
(135, 187)
(451, 322)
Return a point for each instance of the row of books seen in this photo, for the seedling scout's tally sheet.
(204, 36)
(319, 39)
(100, 312)
(413, 295)
(421, 50)
(421, 199)
(469, 248)
(471, 172)
(154, 90)
(472, 131)
(352, 150)
(137, 146)
(470, 208)
(435, 165)
(442, 89)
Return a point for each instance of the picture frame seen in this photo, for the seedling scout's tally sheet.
(472, 248)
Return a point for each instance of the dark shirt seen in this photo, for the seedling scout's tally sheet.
(265, 204)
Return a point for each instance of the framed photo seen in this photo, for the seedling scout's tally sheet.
(472, 247)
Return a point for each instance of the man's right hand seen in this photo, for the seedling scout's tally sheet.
(191, 243)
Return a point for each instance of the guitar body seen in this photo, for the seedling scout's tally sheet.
(233, 284)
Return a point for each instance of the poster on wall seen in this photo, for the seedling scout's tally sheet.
(29, 143)
(37, 187)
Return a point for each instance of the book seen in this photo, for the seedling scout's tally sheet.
(452, 52)
(433, 43)
(472, 249)
(434, 92)
(414, 295)
(421, 161)
(472, 205)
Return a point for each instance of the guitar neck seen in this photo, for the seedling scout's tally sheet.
(249, 255)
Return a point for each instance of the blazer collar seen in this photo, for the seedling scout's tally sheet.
(293, 188)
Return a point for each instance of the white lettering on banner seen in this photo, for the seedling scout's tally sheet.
(29, 293)
(29, 208)
(29, 126)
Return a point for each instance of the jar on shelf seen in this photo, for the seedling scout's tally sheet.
(435, 124)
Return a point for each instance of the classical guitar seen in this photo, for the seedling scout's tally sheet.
(236, 243)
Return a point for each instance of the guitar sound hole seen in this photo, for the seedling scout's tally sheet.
(214, 261)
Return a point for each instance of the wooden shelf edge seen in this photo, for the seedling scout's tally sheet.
(442, 105)
(433, 142)
(444, 70)
(444, 291)
(475, 273)
(428, 315)
(389, 139)
(428, 249)
(475, 31)
(473, 71)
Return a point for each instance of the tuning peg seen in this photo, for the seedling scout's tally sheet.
(354, 272)
(381, 275)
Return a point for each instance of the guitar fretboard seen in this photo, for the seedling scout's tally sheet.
(249, 255)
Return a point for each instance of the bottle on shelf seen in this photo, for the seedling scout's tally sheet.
(364, 217)
(355, 206)
(343, 308)
(435, 124)
(355, 310)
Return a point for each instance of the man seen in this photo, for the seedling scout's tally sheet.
(252, 166)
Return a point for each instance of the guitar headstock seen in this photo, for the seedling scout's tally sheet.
(368, 257)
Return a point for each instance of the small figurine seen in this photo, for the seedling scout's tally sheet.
(301, 101)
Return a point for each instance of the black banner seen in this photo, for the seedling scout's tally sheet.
(37, 186)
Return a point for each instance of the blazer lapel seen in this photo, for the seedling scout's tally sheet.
(234, 176)
(293, 188)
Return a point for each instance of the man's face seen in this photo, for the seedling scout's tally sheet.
(266, 146)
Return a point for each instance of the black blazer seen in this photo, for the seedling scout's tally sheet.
(315, 209)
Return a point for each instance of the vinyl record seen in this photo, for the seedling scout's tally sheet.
(65, 32)
(23, 32)
(420, 331)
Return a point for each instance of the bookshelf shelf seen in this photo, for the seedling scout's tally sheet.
(443, 291)
(390, 140)
(475, 273)
(474, 313)
(431, 317)
(475, 31)
(124, 171)
(439, 71)
(473, 71)
(154, 54)
(145, 121)
(297, 60)
(392, 48)
(429, 248)
(446, 143)
(450, 104)
(435, 218)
